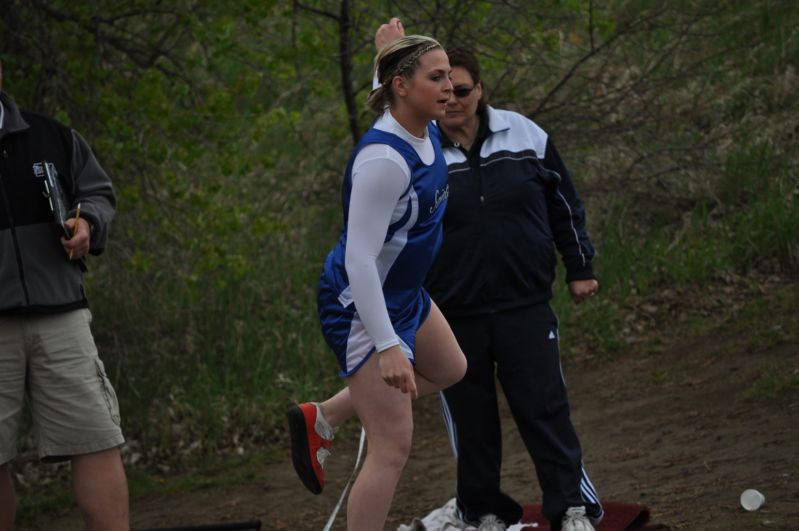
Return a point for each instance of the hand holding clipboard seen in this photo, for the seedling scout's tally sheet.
(73, 237)
(75, 229)
(77, 245)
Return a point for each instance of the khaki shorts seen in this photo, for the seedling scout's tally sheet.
(52, 361)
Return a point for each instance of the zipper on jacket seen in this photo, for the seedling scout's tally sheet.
(13, 230)
(473, 156)
(473, 159)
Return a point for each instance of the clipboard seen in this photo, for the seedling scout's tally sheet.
(55, 195)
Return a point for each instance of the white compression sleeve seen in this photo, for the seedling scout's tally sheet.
(379, 177)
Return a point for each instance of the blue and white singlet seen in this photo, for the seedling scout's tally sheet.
(392, 294)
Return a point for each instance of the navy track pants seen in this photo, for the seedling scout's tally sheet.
(521, 347)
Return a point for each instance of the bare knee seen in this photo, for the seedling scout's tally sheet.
(460, 369)
(392, 449)
(456, 372)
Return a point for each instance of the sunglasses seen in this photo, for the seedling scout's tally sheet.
(462, 92)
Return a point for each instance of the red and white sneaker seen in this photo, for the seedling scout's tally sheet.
(308, 449)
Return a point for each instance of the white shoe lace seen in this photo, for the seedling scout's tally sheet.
(322, 427)
(446, 518)
(576, 520)
(321, 455)
(324, 430)
(490, 522)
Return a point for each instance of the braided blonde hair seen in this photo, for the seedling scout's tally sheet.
(399, 58)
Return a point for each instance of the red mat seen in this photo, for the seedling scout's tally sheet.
(619, 516)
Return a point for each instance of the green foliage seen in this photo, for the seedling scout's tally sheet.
(225, 131)
(758, 228)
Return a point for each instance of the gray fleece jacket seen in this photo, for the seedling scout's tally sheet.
(36, 275)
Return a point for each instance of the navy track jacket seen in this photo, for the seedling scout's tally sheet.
(511, 203)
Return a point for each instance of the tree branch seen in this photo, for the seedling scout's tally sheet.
(317, 11)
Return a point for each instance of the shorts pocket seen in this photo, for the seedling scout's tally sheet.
(108, 392)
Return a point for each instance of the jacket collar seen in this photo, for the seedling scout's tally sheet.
(12, 118)
(496, 121)
(496, 124)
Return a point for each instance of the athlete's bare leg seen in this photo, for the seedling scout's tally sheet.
(386, 415)
(439, 364)
(439, 359)
(338, 408)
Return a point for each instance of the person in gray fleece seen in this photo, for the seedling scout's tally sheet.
(56, 203)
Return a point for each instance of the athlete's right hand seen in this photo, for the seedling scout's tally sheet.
(388, 33)
(397, 371)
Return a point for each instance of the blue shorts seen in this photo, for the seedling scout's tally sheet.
(343, 329)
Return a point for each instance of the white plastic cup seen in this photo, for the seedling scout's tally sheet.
(752, 500)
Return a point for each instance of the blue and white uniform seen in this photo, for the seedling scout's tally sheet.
(394, 194)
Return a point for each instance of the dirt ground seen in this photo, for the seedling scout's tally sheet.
(666, 426)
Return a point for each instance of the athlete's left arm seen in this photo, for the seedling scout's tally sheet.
(567, 220)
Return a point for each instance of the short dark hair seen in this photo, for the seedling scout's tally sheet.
(465, 58)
